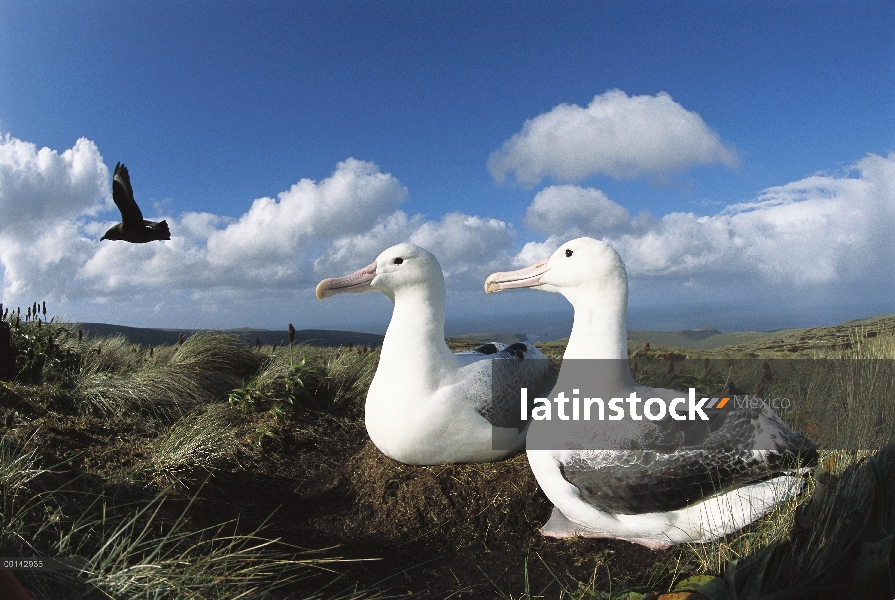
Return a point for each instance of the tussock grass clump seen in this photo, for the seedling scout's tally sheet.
(348, 377)
(840, 545)
(201, 371)
(154, 393)
(18, 468)
(848, 526)
(323, 379)
(282, 375)
(215, 352)
(140, 557)
(863, 343)
(112, 354)
(201, 438)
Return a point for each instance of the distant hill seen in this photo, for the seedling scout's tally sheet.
(787, 342)
(504, 338)
(708, 338)
(697, 339)
(146, 336)
(801, 342)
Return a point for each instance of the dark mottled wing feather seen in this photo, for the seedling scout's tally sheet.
(123, 196)
(498, 376)
(682, 462)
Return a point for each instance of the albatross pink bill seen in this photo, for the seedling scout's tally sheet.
(359, 281)
(527, 277)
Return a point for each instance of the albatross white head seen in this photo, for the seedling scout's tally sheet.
(411, 277)
(399, 269)
(591, 275)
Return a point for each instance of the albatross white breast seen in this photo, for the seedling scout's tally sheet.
(427, 405)
(660, 482)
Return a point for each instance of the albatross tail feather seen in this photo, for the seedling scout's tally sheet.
(559, 526)
(699, 523)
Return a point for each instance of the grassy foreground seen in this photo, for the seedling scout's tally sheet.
(213, 469)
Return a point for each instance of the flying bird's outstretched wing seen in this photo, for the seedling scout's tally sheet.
(123, 195)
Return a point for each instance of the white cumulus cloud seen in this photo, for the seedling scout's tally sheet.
(42, 195)
(571, 208)
(830, 233)
(468, 247)
(351, 200)
(42, 187)
(617, 135)
(271, 245)
(827, 230)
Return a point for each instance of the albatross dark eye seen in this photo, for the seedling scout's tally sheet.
(398, 260)
(568, 253)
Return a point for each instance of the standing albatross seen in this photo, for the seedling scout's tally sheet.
(132, 228)
(427, 405)
(656, 482)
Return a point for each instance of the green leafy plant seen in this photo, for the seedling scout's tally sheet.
(246, 397)
(265, 433)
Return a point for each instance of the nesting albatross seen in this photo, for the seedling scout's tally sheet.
(427, 405)
(132, 228)
(660, 482)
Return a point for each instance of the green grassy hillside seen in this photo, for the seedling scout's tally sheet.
(786, 342)
(219, 470)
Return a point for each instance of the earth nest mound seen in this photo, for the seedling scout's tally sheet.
(452, 505)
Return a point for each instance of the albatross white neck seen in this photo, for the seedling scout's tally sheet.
(417, 330)
(598, 330)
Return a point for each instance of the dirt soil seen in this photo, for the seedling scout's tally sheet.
(459, 531)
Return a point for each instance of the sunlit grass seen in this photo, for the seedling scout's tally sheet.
(201, 371)
(199, 439)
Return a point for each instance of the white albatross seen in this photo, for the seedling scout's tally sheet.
(662, 482)
(427, 405)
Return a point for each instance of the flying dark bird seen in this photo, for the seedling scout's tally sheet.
(132, 228)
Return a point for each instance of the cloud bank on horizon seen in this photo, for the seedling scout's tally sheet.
(828, 235)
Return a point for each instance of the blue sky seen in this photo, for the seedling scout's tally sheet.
(490, 131)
